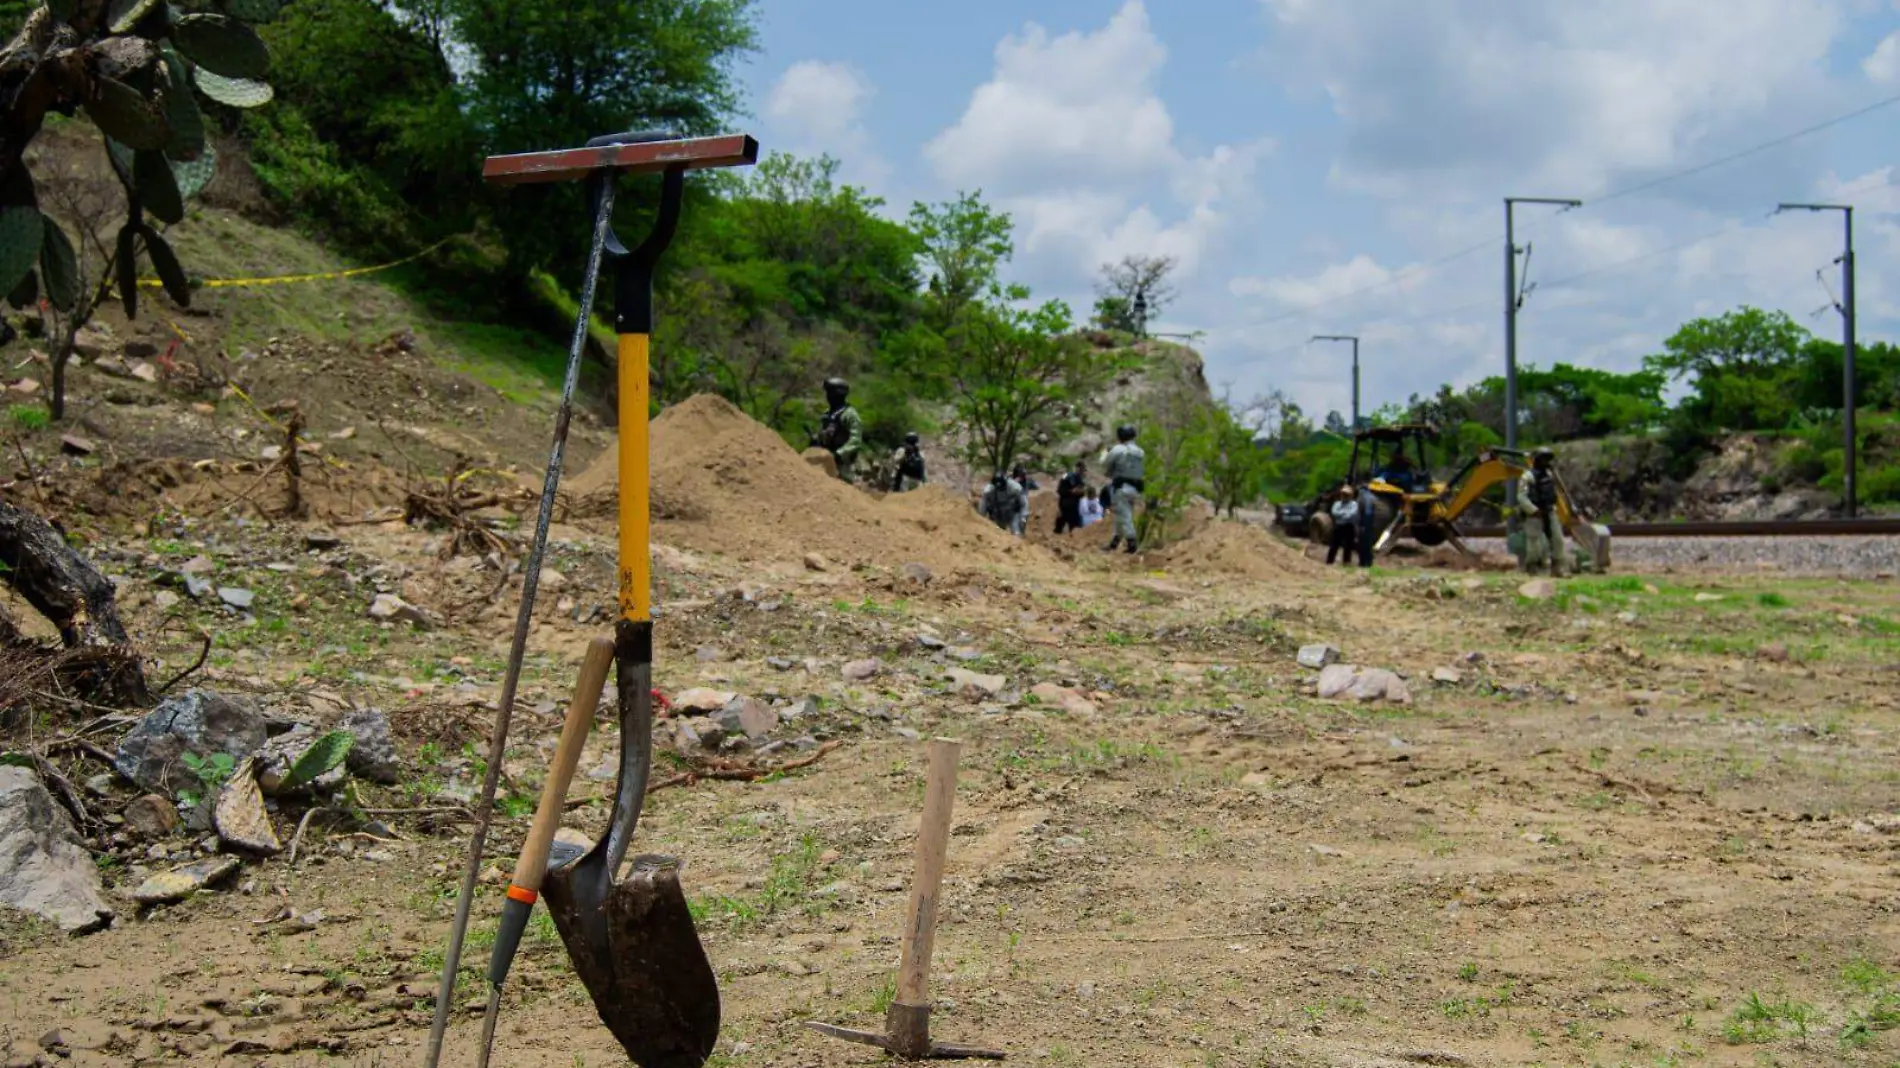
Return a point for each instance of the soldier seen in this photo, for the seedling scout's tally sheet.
(1537, 501)
(1126, 468)
(1004, 502)
(1071, 488)
(907, 465)
(842, 432)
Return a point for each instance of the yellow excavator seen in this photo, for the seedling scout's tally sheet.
(1390, 461)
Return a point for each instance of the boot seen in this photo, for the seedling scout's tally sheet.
(1113, 544)
(1131, 546)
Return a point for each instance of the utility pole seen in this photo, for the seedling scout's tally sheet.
(1355, 369)
(1512, 301)
(1850, 497)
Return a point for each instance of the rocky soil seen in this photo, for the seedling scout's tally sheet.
(1218, 805)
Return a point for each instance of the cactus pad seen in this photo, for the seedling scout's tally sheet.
(222, 45)
(21, 233)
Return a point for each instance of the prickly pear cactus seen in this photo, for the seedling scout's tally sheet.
(136, 68)
(320, 759)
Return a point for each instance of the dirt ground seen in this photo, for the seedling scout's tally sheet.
(1647, 821)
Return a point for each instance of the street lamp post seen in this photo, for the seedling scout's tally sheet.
(1355, 369)
(1849, 495)
(1512, 301)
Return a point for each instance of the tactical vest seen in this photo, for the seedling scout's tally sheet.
(1543, 489)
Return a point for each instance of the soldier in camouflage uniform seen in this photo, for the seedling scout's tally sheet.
(907, 465)
(1126, 470)
(1537, 502)
(842, 431)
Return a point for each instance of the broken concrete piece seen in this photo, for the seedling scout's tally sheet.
(1317, 656)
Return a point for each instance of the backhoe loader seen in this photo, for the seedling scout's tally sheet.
(1407, 500)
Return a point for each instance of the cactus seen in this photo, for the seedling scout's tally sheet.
(21, 233)
(222, 46)
(132, 66)
(322, 757)
(59, 266)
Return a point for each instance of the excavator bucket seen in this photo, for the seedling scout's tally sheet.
(1595, 539)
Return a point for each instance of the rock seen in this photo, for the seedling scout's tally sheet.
(197, 588)
(1774, 652)
(989, 685)
(320, 540)
(551, 579)
(749, 716)
(917, 573)
(1317, 656)
(1448, 675)
(25, 387)
(709, 654)
(701, 699)
(1708, 598)
(144, 372)
(240, 819)
(90, 343)
(200, 722)
(236, 596)
(45, 867)
(198, 565)
(1063, 698)
(779, 663)
(1328, 851)
(803, 708)
(859, 670)
(816, 562)
(283, 751)
(1334, 678)
(373, 755)
(150, 816)
(164, 599)
(930, 641)
(389, 608)
(344, 434)
(74, 445)
(1541, 589)
(180, 883)
(965, 653)
(686, 735)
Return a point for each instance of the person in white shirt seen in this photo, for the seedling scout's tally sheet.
(1091, 509)
(1345, 511)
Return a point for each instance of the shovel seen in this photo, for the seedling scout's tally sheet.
(632, 939)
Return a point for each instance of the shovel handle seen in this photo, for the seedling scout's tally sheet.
(532, 866)
(933, 841)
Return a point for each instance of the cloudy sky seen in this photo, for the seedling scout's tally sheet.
(1338, 166)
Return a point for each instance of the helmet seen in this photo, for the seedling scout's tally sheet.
(1542, 454)
(911, 438)
(837, 385)
(1125, 432)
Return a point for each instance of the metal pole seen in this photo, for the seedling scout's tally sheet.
(1849, 399)
(1850, 496)
(1510, 323)
(1355, 368)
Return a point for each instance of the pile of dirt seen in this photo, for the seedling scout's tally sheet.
(1235, 548)
(725, 483)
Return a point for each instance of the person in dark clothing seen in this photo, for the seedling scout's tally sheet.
(1345, 512)
(1070, 489)
(1368, 524)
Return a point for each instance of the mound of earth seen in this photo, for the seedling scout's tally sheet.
(723, 482)
(1235, 548)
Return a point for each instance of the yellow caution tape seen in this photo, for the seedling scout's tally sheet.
(219, 283)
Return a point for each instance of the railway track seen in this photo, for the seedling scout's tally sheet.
(1737, 528)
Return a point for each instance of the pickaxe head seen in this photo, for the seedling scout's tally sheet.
(907, 1034)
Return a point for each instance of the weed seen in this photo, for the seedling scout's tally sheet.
(1757, 1021)
(1771, 600)
(212, 771)
(28, 416)
(1468, 971)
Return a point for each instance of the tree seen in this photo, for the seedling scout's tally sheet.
(132, 67)
(548, 73)
(88, 204)
(1233, 465)
(1740, 366)
(965, 244)
(1016, 374)
(1134, 291)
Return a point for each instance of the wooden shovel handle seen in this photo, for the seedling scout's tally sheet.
(933, 841)
(567, 756)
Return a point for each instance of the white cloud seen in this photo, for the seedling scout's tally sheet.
(1882, 65)
(1451, 98)
(1070, 136)
(818, 106)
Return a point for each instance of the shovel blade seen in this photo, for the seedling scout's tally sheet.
(640, 958)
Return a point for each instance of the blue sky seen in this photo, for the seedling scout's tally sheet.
(1318, 166)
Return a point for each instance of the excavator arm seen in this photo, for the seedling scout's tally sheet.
(1492, 468)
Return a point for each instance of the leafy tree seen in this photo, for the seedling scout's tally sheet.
(965, 244)
(1133, 292)
(1017, 374)
(548, 73)
(1233, 466)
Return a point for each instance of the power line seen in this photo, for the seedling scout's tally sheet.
(1421, 269)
